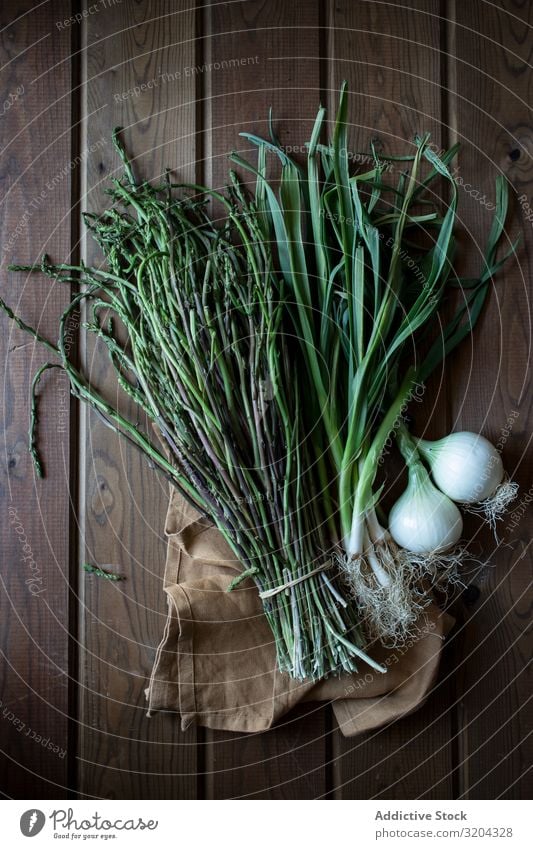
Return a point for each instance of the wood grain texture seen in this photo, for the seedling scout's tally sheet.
(34, 514)
(278, 45)
(490, 94)
(184, 79)
(281, 43)
(390, 58)
(135, 58)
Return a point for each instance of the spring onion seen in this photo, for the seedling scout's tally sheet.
(464, 465)
(367, 267)
(469, 469)
(424, 519)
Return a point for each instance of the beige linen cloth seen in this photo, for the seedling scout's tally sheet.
(216, 663)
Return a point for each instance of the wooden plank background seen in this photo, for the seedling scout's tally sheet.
(77, 654)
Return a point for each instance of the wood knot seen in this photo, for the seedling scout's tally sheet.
(102, 499)
(15, 467)
(517, 159)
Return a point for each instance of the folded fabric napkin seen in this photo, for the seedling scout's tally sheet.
(216, 663)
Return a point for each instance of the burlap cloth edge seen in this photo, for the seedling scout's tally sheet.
(215, 664)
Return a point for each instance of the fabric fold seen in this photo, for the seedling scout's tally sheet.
(216, 663)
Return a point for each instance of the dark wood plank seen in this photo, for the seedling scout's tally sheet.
(413, 758)
(122, 753)
(35, 90)
(280, 46)
(390, 57)
(491, 91)
(287, 762)
(392, 61)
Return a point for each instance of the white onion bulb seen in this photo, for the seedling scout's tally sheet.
(424, 520)
(465, 466)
